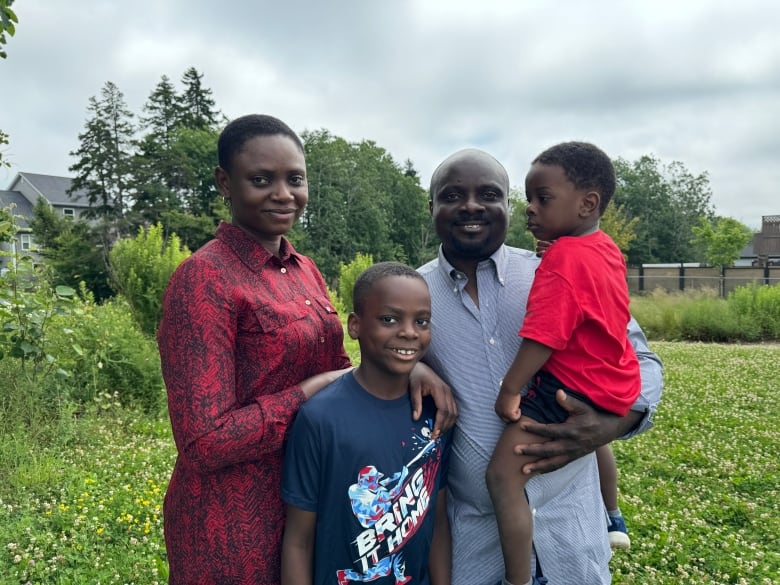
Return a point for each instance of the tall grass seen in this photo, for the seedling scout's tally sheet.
(750, 313)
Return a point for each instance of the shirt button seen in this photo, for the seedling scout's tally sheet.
(307, 301)
(455, 289)
(492, 341)
(284, 271)
(322, 340)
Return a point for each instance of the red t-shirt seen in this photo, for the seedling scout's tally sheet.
(241, 329)
(578, 306)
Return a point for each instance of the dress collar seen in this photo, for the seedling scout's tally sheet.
(249, 251)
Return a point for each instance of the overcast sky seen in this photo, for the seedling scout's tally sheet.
(683, 80)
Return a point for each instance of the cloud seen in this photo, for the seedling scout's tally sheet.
(695, 81)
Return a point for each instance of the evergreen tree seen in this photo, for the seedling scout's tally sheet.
(197, 105)
(163, 113)
(105, 155)
(157, 167)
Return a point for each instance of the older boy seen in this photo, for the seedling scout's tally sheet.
(363, 481)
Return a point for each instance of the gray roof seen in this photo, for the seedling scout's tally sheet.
(54, 189)
(23, 206)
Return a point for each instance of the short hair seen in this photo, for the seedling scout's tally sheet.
(585, 165)
(373, 274)
(236, 133)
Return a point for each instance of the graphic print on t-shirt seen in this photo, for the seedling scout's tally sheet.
(391, 508)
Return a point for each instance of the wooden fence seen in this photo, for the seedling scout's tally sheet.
(681, 278)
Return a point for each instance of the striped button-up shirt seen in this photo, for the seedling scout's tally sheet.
(472, 348)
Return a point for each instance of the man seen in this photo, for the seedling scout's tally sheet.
(479, 287)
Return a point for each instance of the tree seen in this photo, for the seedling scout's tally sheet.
(105, 156)
(722, 239)
(618, 226)
(668, 200)
(517, 234)
(163, 113)
(197, 105)
(157, 167)
(8, 22)
(72, 250)
(360, 201)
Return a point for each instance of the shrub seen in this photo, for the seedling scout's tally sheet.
(110, 359)
(348, 274)
(140, 270)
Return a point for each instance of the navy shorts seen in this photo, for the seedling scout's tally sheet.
(539, 401)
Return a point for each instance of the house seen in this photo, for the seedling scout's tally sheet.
(764, 249)
(766, 243)
(24, 191)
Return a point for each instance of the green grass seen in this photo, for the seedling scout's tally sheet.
(700, 491)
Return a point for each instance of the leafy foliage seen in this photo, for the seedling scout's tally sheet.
(348, 274)
(28, 303)
(617, 225)
(668, 200)
(140, 270)
(517, 234)
(8, 22)
(109, 357)
(721, 239)
(73, 250)
(360, 201)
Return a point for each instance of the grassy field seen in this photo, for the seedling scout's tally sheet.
(700, 491)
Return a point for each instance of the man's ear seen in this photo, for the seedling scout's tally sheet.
(589, 203)
(353, 325)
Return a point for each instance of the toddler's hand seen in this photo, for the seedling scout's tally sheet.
(508, 406)
(541, 247)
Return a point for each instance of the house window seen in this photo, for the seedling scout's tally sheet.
(26, 241)
(69, 212)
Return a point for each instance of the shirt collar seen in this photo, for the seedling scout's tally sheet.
(498, 260)
(249, 251)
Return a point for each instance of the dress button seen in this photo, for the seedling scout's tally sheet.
(307, 301)
(322, 340)
(492, 341)
(284, 271)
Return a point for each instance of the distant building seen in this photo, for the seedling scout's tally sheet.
(24, 191)
(764, 250)
(766, 243)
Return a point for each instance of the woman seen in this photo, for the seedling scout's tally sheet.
(248, 334)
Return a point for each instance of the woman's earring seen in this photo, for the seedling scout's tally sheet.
(226, 201)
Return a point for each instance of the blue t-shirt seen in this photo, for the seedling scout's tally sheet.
(372, 475)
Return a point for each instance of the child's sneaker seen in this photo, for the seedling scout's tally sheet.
(618, 533)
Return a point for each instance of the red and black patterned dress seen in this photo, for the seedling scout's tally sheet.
(241, 329)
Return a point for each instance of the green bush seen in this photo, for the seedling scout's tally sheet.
(110, 359)
(140, 270)
(348, 274)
